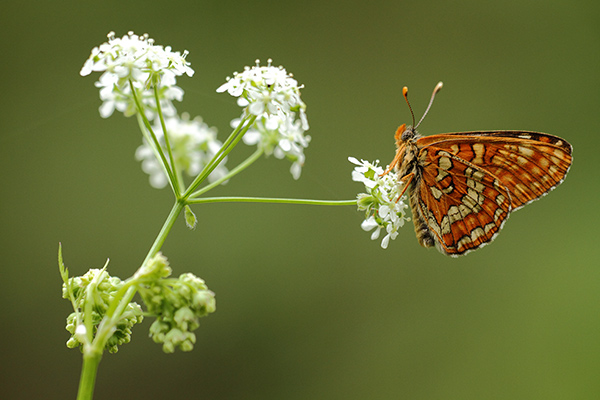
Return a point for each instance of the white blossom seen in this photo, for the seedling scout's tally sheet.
(384, 209)
(138, 60)
(273, 96)
(193, 144)
(80, 333)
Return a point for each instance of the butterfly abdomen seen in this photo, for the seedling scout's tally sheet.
(422, 231)
(412, 165)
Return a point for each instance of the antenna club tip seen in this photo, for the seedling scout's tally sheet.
(405, 90)
(439, 86)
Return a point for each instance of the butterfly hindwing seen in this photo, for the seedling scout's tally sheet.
(463, 205)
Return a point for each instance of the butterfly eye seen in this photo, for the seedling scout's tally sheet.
(408, 133)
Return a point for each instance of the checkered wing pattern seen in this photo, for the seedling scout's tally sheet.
(471, 181)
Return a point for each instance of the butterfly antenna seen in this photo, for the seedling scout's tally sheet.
(405, 94)
(435, 90)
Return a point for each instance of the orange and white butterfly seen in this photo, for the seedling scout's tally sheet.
(462, 186)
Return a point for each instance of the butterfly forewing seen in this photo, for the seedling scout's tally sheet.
(471, 181)
(463, 204)
(529, 164)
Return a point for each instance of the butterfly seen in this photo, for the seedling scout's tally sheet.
(462, 186)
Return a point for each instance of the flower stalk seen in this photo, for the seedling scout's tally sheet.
(229, 144)
(272, 200)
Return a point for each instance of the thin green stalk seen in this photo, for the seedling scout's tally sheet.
(168, 167)
(88, 311)
(273, 200)
(87, 380)
(243, 165)
(202, 175)
(229, 144)
(165, 133)
(164, 231)
(156, 151)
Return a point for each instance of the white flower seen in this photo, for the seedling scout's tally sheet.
(381, 203)
(193, 144)
(137, 59)
(80, 332)
(273, 96)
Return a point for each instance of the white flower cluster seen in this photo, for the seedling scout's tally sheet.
(193, 144)
(137, 59)
(384, 209)
(273, 96)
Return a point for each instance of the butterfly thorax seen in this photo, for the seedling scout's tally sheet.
(407, 152)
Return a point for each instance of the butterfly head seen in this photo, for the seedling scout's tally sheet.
(406, 134)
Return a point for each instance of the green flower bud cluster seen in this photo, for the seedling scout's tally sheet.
(178, 304)
(92, 294)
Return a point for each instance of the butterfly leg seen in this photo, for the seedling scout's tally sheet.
(406, 179)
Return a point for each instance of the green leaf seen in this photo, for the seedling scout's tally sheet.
(190, 218)
(64, 272)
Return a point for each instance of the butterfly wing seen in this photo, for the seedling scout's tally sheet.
(463, 205)
(471, 181)
(529, 164)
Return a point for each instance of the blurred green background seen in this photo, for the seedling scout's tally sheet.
(308, 307)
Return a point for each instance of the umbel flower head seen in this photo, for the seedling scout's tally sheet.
(273, 96)
(193, 143)
(384, 209)
(136, 60)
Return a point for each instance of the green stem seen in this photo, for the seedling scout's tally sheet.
(87, 380)
(242, 166)
(165, 133)
(166, 228)
(274, 200)
(155, 150)
(229, 144)
(158, 148)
